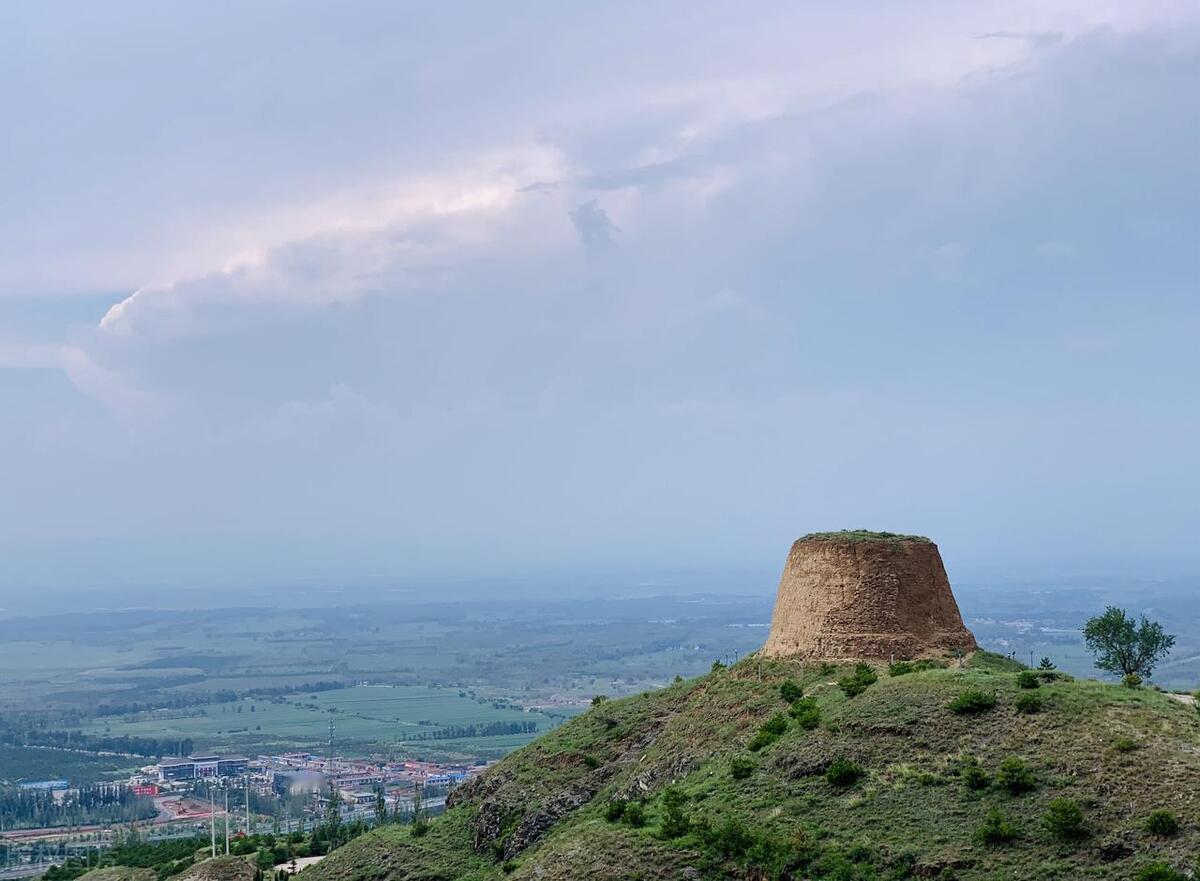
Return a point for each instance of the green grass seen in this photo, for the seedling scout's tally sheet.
(855, 535)
(909, 801)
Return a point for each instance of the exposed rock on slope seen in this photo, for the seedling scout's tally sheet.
(119, 873)
(847, 595)
(220, 869)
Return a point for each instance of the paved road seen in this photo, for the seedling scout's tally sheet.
(24, 871)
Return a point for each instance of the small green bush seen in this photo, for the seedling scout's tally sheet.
(634, 815)
(972, 774)
(741, 767)
(615, 810)
(806, 713)
(717, 666)
(1028, 679)
(1014, 776)
(777, 724)
(761, 740)
(1029, 703)
(598, 699)
(1064, 819)
(1162, 822)
(674, 821)
(1125, 744)
(791, 691)
(843, 772)
(591, 761)
(1131, 680)
(858, 681)
(973, 701)
(826, 669)
(1045, 664)
(900, 668)
(1159, 872)
(508, 867)
(996, 830)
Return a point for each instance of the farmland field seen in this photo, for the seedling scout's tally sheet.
(382, 716)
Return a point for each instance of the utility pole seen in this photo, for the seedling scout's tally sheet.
(226, 822)
(247, 802)
(212, 822)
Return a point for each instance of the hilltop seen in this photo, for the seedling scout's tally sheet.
(730, 775)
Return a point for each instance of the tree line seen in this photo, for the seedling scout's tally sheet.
(124, 744)
(486, 729)
(85, 806)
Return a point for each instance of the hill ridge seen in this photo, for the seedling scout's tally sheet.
(597, 797)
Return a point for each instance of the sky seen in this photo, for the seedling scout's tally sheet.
(296, 289)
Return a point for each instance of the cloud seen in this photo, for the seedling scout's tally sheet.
(1040, 39)
(855, 263)
(593, 225)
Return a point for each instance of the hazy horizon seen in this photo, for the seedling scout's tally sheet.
(476, 295)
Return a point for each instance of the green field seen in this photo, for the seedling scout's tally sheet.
(382, 715)
(34, 763)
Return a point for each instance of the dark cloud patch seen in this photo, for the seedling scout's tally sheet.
(593, 225)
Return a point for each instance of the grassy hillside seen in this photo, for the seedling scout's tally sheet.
(666, 785)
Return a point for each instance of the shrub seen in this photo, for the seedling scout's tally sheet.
(1064, 819)
(826, 669)
(729, 840)
(769, 732)
(996, 830)
(776, 725)
(1131, 680)
(1045, 664)
(972, 774)
(634, 814)
(741, 767)
(1159, 872)
(806, 713)
(717, 667)
(1125, 744)
(843, 772)
(1029, 703)
(761, 740)
(1162, 822)
(591, 761)
(1014, 776)
(790, 691)
(615, 809)
(900, 668)
(675, 822)
(858, 681)
(678, 679)
(973, 701)
(1028, 679)
(598, 699)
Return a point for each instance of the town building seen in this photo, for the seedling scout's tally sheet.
(199, 767)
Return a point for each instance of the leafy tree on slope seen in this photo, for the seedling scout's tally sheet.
(1125, 646)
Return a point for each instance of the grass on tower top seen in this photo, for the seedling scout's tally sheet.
(862, 535)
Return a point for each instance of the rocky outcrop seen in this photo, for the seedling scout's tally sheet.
(862, 595)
